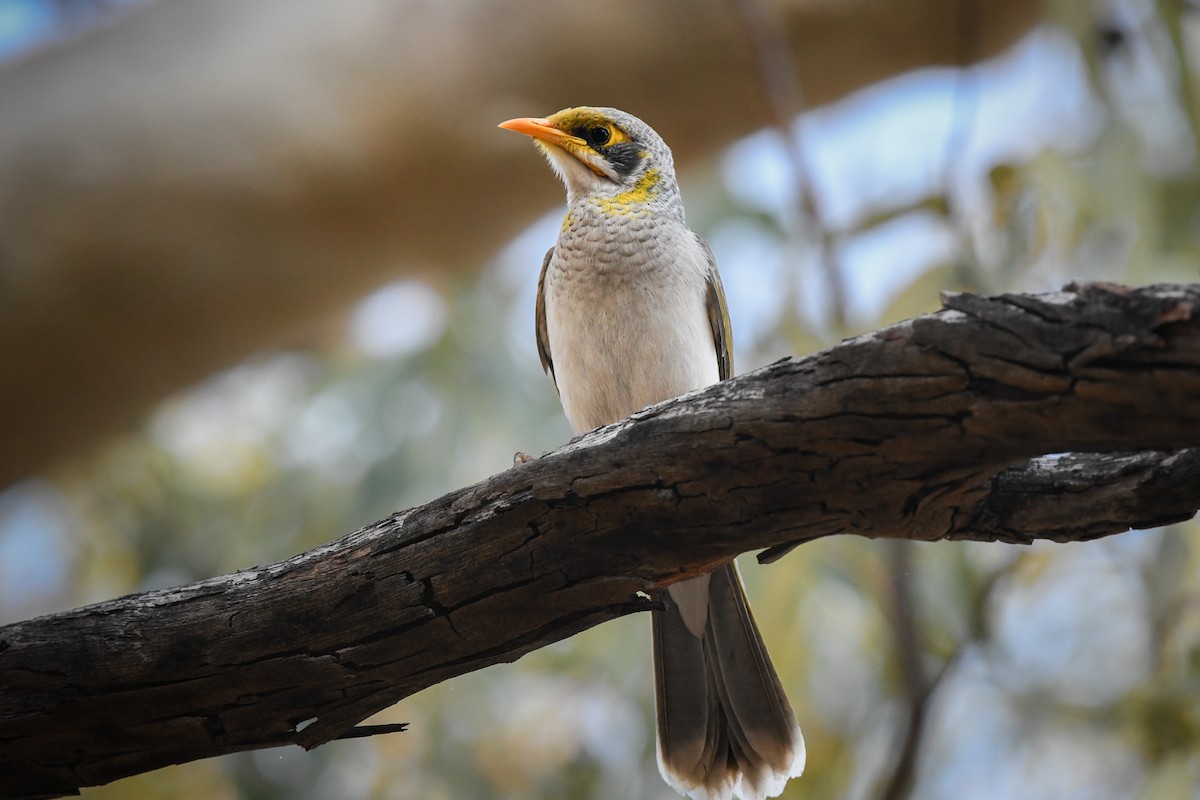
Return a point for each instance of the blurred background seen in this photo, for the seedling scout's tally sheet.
(267, 274)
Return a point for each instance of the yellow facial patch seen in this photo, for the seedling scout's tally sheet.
(632, 201)
(585, 118)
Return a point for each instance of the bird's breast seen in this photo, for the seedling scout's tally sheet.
(627, 323)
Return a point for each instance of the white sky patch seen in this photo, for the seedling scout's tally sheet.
(889, 144)
(881, 262)
(401, 319)
(753, 268)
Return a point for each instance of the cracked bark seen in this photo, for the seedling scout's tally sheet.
(942, 427)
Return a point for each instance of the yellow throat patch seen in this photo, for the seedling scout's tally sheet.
(632, 201)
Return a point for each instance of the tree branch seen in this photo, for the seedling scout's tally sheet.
(1073, 497)
(939, 427)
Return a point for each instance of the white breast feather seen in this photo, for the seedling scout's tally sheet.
(625, 338)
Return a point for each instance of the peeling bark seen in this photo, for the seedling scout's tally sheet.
(941, 427)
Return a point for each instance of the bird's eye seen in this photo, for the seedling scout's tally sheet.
(599, 135)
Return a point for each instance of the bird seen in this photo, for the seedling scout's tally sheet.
(630, 311)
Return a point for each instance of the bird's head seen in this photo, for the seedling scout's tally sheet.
(603, 153)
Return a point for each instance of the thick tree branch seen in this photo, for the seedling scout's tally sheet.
(1078, 496)
(938, 427)
(1073, 497)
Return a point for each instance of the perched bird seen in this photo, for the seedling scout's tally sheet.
(630, 311)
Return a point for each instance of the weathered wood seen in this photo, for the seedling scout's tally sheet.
(938, 427)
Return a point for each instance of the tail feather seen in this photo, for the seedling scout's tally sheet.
(691, 729)
(725, 726)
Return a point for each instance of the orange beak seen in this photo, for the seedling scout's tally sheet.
(542, 129)
(544, 132)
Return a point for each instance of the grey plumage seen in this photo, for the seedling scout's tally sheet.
(630, 311)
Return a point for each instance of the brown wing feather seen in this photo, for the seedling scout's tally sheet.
(718, 315)
(539, 321)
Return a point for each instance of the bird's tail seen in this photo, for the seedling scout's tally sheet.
(725, 726)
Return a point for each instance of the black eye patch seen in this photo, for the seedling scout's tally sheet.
(624, 157)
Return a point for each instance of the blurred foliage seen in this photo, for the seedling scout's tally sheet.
(1049, 671)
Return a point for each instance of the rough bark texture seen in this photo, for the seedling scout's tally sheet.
(939, 427)
(208, 178)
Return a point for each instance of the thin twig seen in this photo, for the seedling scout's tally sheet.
(963, 109)
(363, 731)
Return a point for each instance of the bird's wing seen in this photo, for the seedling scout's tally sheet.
(718, 315)
(539, 320)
